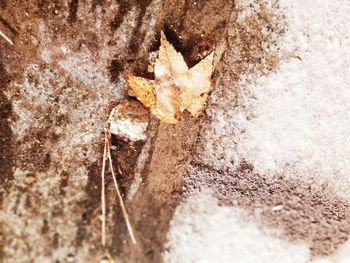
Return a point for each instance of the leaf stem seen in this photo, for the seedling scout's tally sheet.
(6, 37)
(120, 198)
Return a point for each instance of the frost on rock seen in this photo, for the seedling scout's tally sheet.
(129, 119)
(200, 237)
(294, 121)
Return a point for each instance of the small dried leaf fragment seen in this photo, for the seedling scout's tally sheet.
(143, 90)
(176, 87)
(167, 104)
(195, 85)
(169, 63)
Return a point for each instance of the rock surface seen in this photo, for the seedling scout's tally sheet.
(261, 176)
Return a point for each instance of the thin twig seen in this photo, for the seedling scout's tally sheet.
(125, 214)
(103, 194)
(6, 37)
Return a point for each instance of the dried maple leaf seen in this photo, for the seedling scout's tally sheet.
(176, 87)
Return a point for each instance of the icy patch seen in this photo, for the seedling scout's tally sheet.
(133, 130)
(73, 113)
(82, 67)
(300, 120)
(300, 115)
(203, 231)
(295, 121)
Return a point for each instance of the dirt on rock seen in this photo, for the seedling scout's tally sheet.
(307, 212)
(66, 68)
(57, 85)
(6, 149)
(153, 205)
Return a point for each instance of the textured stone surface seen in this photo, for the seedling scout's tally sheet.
(261, 176)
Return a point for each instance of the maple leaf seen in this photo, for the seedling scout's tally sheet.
(176, 87)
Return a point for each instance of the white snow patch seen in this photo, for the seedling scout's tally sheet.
(202, 231)
(301, 113)
(296, 121)
(135, 131)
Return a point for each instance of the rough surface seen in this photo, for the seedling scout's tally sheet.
(58, 81)
(202, 230)
(277, 145)
(261, 176)
(282, 203)
(129, 119)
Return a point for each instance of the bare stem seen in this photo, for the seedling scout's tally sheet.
(6, 37)
(103, 194)
(125, 214)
